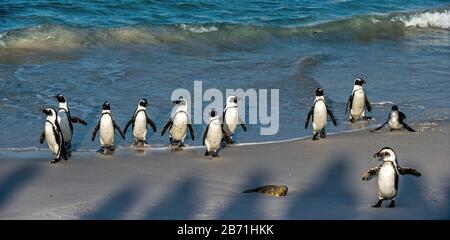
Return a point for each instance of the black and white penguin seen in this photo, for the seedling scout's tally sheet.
(319, 112)
(213, 135)
(231, 119)
(358, 102)
(178, 125)
(65, 120)
(396, 121)
(139, 122)
(107, 125)
(387, 174)
(53, 135)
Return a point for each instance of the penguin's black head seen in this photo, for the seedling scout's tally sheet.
(213, 112)
(359, 81)
(106, 106)
(235, 99)
(319, 92)
(143, 102)
(60, 98)
(47, 111)
(394, 108)
(384, 153)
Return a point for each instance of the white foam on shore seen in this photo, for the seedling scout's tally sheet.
(427, 19)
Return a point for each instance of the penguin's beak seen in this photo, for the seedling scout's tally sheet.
(176, 102)
(378, 155)
(42, 110)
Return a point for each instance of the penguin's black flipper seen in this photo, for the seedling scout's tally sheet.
(402, 118)
(243, 125)
(128, 124)
(369, 174)
(78, 120)
(330, 113)
(368, 105)
(151, 123)
(349, 103)
(95, 131)
(168, 125)
(408, 127)
(118, 129)
(309, 116)
(42, 137)
(382, 125)
(410, 171)
(191, 130)
(205, 134)
(250, 190)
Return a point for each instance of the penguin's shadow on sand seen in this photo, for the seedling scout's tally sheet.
(17, 179)
(330, 190)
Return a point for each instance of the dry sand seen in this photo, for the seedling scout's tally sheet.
(324, 180)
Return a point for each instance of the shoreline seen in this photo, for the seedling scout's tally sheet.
(323, 177)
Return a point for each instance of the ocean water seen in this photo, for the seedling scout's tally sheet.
(93, 51)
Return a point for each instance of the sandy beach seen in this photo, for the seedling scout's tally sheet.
(324, 180)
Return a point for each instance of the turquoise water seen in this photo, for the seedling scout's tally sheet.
(93, 51)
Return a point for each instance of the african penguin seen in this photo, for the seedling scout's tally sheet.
(65, 120)
(319, 112)
(139, 122)
(178, 125)
(396, 121)
(212, 137)
(358, 102)
(231, 119)
(387, 174)
(53, 135)
(107, 125)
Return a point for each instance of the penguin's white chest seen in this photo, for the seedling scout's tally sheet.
(140, 126)
(358, 104)
(51, 138)
(320, 116)
(213, 136)
(106, 130)
(231, 121)
(179, 126)
(63, 121)
(386, 182)
(394, 122)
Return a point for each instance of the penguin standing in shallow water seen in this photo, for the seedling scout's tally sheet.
(231, 119)
(53, 135)
(213, 135)
(358, 102)
(396, 121)
(107, 125)
(65, 120)
(387, 174)
(178, 125)
(319, 112)
(139, 123)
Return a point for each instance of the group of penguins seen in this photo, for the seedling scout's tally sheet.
(58, 132)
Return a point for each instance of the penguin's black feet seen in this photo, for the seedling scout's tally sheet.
(391, 205)
(378, 204)
(101, 149)
(215, 154)
(55, 160)
(206, 153)
(322, 134)
(315, 138)
(366, 118)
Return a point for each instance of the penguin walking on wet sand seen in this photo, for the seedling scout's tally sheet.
(387, 174)
(396, 121)
(139, 122)
(106, 125)
(178, 125)
(213, 135)
(319, 112)
(53, 135)
(358, 102)
(231, 119)
(65, 120)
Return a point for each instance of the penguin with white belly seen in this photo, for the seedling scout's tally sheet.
(387, 174)
(53, 135)
(319, 112)
(106, 125)
(178, 125)
(139, 122)
(231, 119)
(358, 102)
(212, 137)
(396, 121)
(65, 120)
